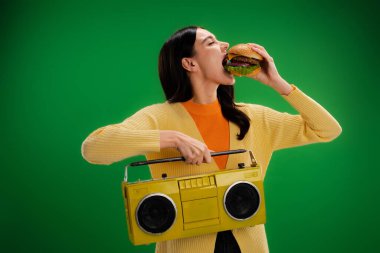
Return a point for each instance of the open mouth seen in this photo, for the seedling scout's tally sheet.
(224, 63)
(225, 59)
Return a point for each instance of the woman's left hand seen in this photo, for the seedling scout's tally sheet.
(268, 74)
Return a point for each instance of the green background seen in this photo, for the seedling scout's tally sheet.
(70, 67)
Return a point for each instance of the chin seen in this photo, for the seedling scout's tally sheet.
(224, 78)
(228, 81)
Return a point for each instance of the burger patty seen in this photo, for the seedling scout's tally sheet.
(241, 64)
(245, 59)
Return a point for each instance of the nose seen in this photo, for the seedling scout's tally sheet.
(225, 46)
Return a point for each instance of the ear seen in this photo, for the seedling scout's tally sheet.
(188, 64)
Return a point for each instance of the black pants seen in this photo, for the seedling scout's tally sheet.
(226, 243)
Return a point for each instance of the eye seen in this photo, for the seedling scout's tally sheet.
(211, 42)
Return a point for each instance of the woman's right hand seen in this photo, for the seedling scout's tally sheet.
(194, 151)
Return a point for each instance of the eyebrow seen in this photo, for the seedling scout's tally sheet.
(208, 37)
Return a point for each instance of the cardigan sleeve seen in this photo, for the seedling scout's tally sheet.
(136, 135)
(312, 124)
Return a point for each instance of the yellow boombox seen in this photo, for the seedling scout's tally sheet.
(172, 208)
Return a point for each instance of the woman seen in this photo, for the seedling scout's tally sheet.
(200, 116)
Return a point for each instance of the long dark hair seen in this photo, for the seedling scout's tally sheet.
(177, 86)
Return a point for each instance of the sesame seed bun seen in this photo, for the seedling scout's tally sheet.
(244, 50)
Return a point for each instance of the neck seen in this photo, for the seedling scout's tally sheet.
(204, 92)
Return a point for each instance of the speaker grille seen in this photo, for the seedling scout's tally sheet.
(241, 200)
(156, 213)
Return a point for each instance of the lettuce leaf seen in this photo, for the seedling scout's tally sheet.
(241, 70)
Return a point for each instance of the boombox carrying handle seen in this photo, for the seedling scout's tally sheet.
(174, 159)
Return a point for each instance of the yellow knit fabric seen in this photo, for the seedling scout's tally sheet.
(270, 131)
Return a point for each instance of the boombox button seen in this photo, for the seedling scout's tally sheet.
(206, 181)
(212, 180)
(182, 185)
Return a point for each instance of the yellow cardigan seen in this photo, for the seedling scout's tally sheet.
(270, 131)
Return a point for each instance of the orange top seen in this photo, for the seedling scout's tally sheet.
(213, 127)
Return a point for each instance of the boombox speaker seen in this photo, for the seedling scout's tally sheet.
(172, 208)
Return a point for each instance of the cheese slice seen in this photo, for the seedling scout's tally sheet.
(230, 56)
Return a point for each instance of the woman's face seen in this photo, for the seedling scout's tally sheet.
(209, 56)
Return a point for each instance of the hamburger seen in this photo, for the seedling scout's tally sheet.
(241, 60)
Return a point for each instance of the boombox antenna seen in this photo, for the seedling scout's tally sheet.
(253, 160)
(175, 159)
